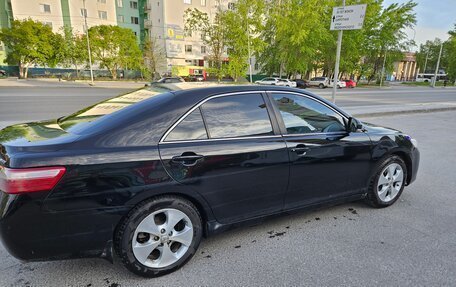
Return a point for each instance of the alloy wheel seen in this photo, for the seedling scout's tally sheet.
(390, 182)
(162, 238)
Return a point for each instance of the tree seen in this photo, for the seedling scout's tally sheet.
(30, 43)
(451, 54)
(213, 34)
(74, 50)
(114, 47)
(154, 58)
(243, 25)
(386, 35)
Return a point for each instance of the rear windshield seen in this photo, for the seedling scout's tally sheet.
(79, 121)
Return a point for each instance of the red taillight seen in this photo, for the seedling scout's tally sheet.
(29, 179)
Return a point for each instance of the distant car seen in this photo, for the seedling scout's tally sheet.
(194, 78)
(166, 80)
(350, 83)
(286, 83)
(268, 81)
(301, 83)
(340, 84)
(321, 82)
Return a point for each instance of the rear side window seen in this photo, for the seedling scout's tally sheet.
(237, 116)
(191, 128)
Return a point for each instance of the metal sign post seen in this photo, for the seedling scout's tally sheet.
(345, 18)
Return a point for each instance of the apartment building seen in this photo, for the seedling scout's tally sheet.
(164, 22)
(161, 20)
(70, 13)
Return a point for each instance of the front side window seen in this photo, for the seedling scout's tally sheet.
(302, 115)
(191, 128)
(237, 116)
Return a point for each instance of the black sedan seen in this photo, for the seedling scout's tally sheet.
(149, 173)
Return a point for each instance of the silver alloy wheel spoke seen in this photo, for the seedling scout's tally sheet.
(143, 251)
(383, 179)
(167, 256)
(148, 226)
(390, 182)
(173, 216)
(156, 234)
(184, 237)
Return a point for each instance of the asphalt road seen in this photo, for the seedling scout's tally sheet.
(412, 243)
(19, 104)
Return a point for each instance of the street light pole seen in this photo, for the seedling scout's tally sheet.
(437, 66)
(88, 42)
(248, 44)
(336, 69)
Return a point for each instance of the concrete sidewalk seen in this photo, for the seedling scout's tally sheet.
(55, 83)
(385, 110)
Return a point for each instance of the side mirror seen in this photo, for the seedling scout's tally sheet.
(354, 125)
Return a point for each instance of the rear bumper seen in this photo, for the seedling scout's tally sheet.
(31, 234)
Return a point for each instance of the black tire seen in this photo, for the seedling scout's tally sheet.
(125, 232)
(321, 86)
(372, 197)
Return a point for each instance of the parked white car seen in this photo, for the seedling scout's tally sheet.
(268, 81)
(340, 84)
(287, 83)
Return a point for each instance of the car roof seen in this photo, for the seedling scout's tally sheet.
(143, 123)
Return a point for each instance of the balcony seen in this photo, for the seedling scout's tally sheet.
(148, 23)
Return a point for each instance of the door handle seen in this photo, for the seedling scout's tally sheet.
(300, 150)
(187, 158)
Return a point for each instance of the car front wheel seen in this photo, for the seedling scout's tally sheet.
(159, 236)
(388, 183)
(321, 86)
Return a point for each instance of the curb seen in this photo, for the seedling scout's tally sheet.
(395, 113)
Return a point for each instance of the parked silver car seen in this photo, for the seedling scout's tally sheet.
(321, 82)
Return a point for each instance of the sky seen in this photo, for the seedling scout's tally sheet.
(434, 19)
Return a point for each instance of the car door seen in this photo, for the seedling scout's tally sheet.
(229, 150)
(326, 161)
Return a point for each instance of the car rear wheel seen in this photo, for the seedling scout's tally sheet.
(321, 86)
(387, 184)
(159, 236)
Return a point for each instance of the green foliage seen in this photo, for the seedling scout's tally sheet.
(213, 34)
(154, 58)
(242, 24)
(450, 55)
(297, 38)
(113, 48)
(73, 49)
(29, 43)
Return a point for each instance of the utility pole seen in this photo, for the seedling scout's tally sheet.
(425, 62)
(248, 44)
(88, 42)
(336, 69)
(437, 66)
(383, 69)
